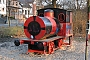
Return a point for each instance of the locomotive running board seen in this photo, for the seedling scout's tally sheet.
(45, 46)
(46, 40)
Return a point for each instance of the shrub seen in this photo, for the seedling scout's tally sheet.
(11, 31)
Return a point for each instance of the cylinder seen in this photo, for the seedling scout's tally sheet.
(49, 13)
(37, 27)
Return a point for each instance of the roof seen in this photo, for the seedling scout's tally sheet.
(27, 1)
(52, 9)
(25, 5)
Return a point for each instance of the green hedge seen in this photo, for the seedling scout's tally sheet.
(11, 31)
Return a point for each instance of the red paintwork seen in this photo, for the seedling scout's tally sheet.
(88, 36)
(50, 45)
(53, 24)
(49, 14)
(62, 31)
(60, 17)
(26, 24)
(60, 43)
(29, 50)
(39, 20)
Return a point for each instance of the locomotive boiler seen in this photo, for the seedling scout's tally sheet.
(47, 31)
(37, 27)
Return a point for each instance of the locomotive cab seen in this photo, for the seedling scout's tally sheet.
(63, 18)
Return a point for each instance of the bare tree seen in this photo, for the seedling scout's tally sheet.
(67, 4)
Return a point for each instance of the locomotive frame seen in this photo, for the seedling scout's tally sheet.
(49, 45)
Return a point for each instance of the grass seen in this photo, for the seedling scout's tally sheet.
(18, 31)
(11, 31)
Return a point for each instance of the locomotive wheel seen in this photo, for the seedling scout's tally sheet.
(51, 47)
(60, 43)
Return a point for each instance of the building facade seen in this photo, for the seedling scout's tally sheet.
(13, 9)
(18, 10)
(26, 10)
(2, 7)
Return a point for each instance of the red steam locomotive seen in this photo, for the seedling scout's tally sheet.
(48, 30)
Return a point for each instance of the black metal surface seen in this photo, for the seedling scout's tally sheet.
(34, 28)
(17, 42)
(34, 18)
(56, 43)
(48, 25)
(68, 17)
(62, 18)
(25, 27)
(36, 46)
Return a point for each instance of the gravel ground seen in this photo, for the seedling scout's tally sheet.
(8, 51)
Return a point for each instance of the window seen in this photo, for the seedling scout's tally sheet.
(9, 2)
(28, 12)
(22, 11)
(13, 2)
(0, 1)
(25, 12)
(2, 9)
(3, 1)
(16, 4)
